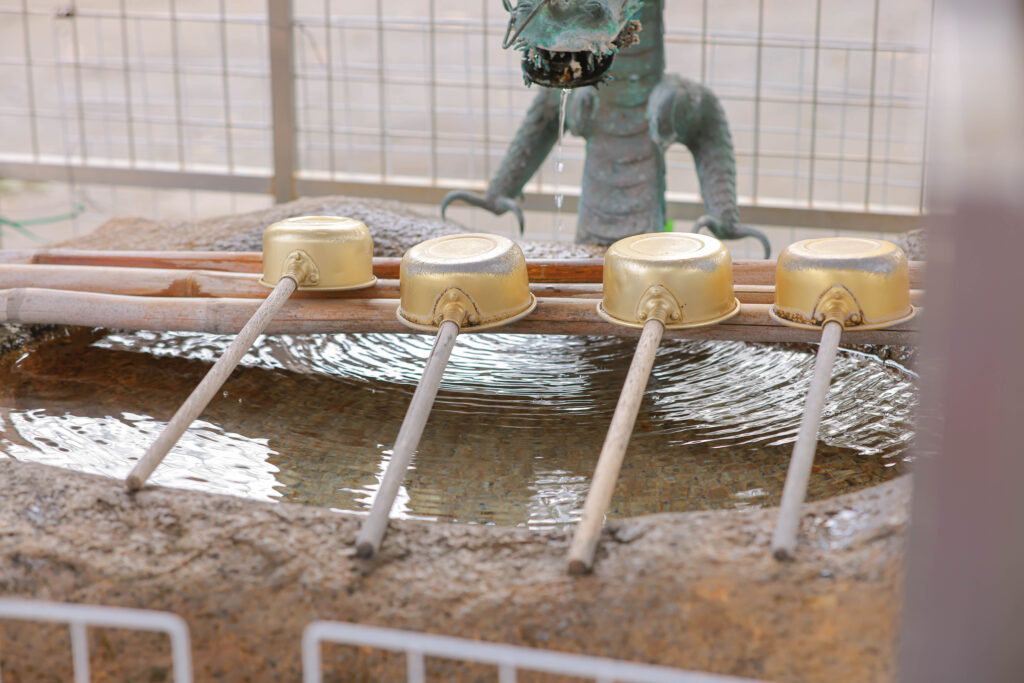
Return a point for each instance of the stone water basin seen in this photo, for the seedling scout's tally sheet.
(695, 589)
(513, 438)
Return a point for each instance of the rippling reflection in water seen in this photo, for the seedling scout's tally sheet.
(513, 438)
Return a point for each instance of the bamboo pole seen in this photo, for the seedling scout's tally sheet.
(135, 281)
(211, 383)
(221, 284)
(745, 271)
(335, 316)
(795, 489)
(213, 283)
(375, 526)
(232, 261)
(588, 531)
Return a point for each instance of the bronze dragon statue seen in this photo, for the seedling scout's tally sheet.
(612, 54)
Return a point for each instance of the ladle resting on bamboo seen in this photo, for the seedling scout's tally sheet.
(214, 379)
(656, 281)
(831, 284)
(309, 252)
(447, 283)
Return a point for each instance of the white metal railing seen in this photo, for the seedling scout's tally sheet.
(506, 658)
(80, 617)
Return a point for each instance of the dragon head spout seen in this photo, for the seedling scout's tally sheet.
(570, 43)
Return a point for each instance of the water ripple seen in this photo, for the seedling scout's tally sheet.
(513, 438)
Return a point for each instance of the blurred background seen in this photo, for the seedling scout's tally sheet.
(186, 109)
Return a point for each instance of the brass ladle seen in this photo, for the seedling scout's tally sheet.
(449, 284)
(655, 282)
(831, 284)
(322, 253)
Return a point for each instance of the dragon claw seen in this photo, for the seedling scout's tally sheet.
(509, 204)
(497, 206)
(724, 231)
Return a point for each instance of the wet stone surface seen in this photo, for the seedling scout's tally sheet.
(694, 590)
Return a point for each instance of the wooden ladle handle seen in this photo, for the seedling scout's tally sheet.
(215, 378)
(613, 452)
(372, 532)
(795, 489)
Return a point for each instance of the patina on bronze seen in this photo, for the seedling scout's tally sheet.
(831, 284)
(472, 281)
(652, 281)
(571, 56)
(628, 110)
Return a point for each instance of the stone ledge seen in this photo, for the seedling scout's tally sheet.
(695, 590)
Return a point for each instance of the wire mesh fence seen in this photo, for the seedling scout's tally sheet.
(410, 98)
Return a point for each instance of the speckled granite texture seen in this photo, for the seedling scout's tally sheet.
(695, 590)
(394, 226)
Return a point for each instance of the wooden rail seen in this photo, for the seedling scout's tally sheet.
(176, 282)
(218, 291)
(745, 271)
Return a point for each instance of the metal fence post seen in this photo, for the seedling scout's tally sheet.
(282, 96)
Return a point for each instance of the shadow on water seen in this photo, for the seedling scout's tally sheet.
(513, 438)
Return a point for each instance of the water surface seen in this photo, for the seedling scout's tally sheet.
(513, 438)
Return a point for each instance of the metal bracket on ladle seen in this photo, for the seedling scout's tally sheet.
(657, 303)
(457, 306)
(838, 304)
(301, 267)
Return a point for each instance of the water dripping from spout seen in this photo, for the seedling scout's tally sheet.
(560, 166)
